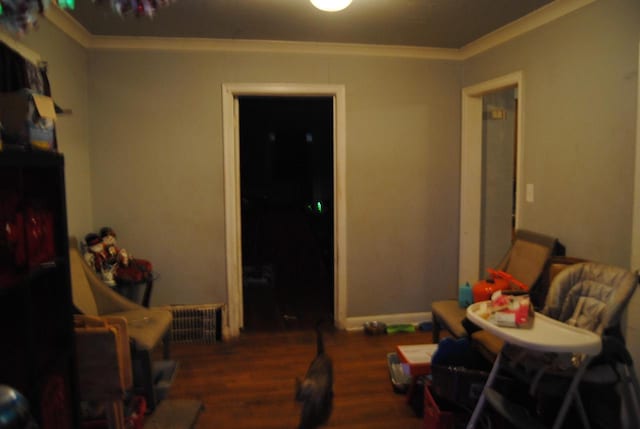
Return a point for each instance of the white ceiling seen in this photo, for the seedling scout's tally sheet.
(422, 23)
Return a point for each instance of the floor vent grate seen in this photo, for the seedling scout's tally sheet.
(196, 323)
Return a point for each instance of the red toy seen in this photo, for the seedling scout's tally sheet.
(498, 280)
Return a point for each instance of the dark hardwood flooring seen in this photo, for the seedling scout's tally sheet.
(249, 382)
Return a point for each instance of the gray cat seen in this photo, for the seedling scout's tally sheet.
(315, 391)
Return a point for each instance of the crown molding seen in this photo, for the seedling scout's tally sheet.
(270, 46)
(538, 18)
(26, 53)
(535, 19)
(68, 25)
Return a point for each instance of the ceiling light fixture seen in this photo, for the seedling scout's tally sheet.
(331, 5)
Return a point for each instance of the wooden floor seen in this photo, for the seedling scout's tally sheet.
(249, 382)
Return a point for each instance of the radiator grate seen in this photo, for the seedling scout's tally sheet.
(196, 323)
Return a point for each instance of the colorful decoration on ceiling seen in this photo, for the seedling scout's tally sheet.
(138, 8)
(19, 16)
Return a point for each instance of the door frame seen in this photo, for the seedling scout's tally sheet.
(634, 262)
(233, 228)
(471, 169)
(632, 320)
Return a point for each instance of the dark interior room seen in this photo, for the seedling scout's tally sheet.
(286, 156)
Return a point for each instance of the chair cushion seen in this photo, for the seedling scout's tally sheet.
(449, 315)
(81, 291)
(608, 289)
(146, 326)
(527, 261)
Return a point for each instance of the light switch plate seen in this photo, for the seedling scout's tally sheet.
(529, 195)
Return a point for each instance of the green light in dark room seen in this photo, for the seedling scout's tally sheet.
(315, 207)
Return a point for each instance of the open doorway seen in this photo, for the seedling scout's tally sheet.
(230, 112)
(470, 263)
(286, 188)
(499, 175)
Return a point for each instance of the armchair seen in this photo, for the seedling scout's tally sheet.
(525, 260)
(147, 327)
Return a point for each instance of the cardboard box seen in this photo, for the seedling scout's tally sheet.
(28, 120)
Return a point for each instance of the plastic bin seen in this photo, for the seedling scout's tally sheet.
(399, 373)
(435, 416)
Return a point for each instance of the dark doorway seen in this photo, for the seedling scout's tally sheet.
(286, 179)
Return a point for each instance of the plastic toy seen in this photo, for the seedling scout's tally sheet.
(498, 280)
(112, 251)
(129, 269)
(394, 329)
(97, 258)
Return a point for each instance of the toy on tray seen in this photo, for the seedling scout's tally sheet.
(508, 310)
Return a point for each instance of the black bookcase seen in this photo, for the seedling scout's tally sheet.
(37, 355)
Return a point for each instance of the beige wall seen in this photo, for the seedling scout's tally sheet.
(580, 77)
(156, 151)
(144, 151)
(67, 71)
(581, 86)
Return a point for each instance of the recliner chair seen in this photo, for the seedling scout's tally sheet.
(148, 327)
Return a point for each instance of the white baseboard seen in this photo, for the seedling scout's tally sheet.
(356, 323)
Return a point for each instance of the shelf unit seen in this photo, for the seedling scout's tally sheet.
(36, 310)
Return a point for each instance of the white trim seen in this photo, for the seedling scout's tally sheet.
(68, 25)
(269, 46)
(634, 262)
(356, 323)
(471, 169)
(535, 19)
(230, 93)
(21, 49)
(632, 317)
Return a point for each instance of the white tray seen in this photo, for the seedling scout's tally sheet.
(546, 334)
